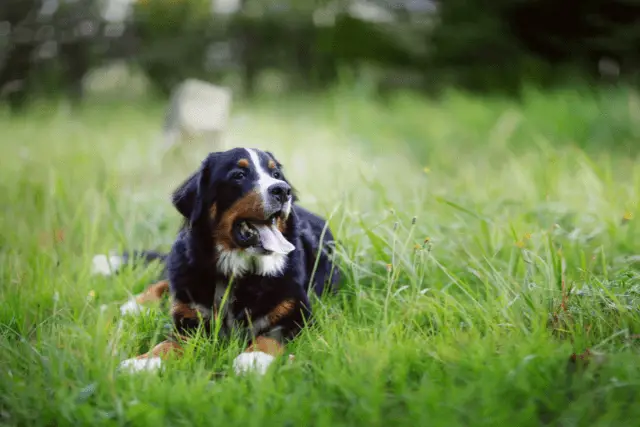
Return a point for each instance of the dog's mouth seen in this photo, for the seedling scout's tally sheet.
(262, 235)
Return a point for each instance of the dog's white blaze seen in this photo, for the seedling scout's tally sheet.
(255, 361)
(265, 180)
(237, 262)
(138, 365)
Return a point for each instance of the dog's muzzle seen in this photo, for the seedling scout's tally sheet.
(264, 236)
(277, 198)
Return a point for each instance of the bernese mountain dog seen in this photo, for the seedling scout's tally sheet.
(245, 260)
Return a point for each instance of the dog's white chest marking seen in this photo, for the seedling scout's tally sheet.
(265, 180)
(238, 263)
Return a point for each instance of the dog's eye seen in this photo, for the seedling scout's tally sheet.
(276, 174)
(238, 175)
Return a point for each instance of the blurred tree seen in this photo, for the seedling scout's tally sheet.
(280, 35)
(494, 44)
(48, 45)
(579, 32)
(17, 52)
(173, 37)
(78, 25)
(473, 46)
(48, 39)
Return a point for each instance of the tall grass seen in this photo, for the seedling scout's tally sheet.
(484, 243)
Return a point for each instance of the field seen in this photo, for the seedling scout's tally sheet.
(485, 243)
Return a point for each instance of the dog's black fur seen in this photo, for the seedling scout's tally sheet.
(261, 303)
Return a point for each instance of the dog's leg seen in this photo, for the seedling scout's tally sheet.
(270, 333)
(258, 356)
(152, 360)
(153, 293)
(185, 318)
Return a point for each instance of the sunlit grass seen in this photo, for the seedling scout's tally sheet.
(482, 246)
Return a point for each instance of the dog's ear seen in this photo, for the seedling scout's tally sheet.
(184, 197)
(294, 192)
(195, 195)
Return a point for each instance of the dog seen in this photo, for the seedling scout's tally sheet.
(247, 258)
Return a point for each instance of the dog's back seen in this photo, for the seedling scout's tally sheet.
(319, 249)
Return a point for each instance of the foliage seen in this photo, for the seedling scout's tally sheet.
(173, 38)
(500, 44)
(48, 47)
(483, 46)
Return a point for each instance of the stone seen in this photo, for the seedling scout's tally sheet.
(198, 110)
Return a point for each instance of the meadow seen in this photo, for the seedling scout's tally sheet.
(491, 251)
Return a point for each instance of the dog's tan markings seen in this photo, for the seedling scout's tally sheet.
(271, 164)
(176, 336)
(248, 207)
(183, 311)
(282, 224)
(163, 350)
(153, 292)
(213, 210)
(281, 310)
(266, 345)
(243, 163)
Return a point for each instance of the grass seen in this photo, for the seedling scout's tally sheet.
(485, 243)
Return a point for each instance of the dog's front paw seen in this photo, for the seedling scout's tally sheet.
(138, 365)
(255, 361)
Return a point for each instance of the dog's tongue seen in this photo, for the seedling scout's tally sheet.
(272, 239)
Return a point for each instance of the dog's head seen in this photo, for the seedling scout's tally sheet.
(240, 200)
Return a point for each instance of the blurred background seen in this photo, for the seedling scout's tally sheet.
(69, 48)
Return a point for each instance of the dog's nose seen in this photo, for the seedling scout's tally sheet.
(280, 192)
